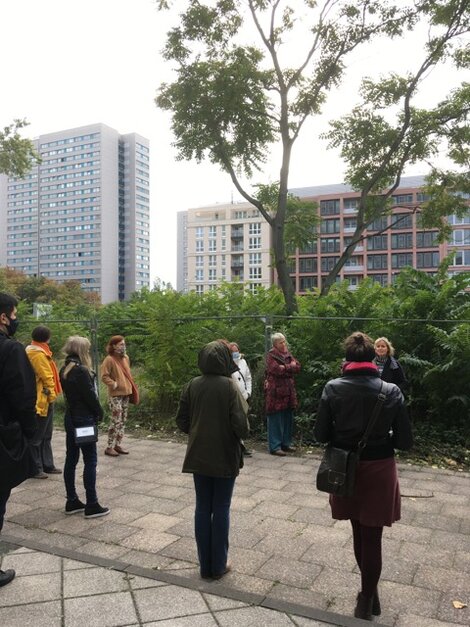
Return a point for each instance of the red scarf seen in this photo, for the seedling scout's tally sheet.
(55, 373)
(349, 366)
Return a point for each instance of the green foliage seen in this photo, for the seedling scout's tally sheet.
(17, 154)
(427, 318)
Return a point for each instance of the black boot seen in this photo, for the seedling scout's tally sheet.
(6, 576)
(376, 609)
(363, 607)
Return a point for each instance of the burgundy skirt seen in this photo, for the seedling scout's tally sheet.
(376, 502)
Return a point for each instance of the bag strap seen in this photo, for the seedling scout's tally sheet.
(373, 419)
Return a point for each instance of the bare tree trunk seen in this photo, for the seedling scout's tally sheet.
(285, 281)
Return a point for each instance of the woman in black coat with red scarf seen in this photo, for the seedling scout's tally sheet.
(344, 411)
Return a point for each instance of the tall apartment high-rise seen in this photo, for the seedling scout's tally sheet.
(225, 242)
(83, 213)
(216, 242)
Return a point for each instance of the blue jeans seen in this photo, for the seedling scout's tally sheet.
(212, 522)
(90, 459)
(4, 496)
(280, 428)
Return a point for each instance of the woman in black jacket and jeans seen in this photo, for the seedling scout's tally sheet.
(344, 411)
(82, 409)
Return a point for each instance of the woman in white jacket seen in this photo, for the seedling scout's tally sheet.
(242, 376)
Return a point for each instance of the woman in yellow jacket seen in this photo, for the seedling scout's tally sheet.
(47, 389)
(116, 375)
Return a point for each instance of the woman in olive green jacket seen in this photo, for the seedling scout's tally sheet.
(213, 412)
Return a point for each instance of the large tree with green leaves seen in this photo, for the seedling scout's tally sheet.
(233, 99)
(17, 153)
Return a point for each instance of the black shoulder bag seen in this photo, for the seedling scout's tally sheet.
(337, 471)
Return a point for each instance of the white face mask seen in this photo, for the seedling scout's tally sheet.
(121, 350)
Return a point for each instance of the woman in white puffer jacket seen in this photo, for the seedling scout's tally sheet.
(242, 376)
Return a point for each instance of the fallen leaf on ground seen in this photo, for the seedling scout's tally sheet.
(459, 605)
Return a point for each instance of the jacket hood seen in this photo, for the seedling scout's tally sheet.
(215, 358)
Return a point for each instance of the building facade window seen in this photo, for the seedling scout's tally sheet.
(212, 261)
(461, 237)
(199, 261)
(379, 224)
(328, 263)
(254, 259)
(199, 246)
(254, 228)
(377, 262)
(402, 240)
(254, 242)
(351, 203)
(330, 226)
(308, 264)
(199, 275)
(402, 199)
(402, 221)
(255, 274)
(462, 258)
(402, 260)
(329, 207)
(377, 242)
(212, 245)
(307, 283)
(426, 239)
(427, 260)
(330, 245)
(199, 232)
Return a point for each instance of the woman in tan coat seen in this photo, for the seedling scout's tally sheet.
(116, 375)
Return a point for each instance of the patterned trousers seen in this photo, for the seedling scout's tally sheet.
(119, 407)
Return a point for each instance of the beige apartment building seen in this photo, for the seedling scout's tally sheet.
(223, 242)
(232, 242)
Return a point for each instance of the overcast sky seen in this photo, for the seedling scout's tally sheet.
(72, 63)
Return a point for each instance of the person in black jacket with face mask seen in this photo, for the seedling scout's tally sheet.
(17, 411)
(345, 407)
(82, 408)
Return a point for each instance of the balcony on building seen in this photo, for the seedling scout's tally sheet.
(236, 232)
(236, 261)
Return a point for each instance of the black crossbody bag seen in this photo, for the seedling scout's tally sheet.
(337, 471)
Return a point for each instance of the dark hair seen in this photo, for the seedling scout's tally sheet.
(7, 303)
(41, 334)
(112, 343)
(359, 347)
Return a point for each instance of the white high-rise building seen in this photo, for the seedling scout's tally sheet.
(83, 213)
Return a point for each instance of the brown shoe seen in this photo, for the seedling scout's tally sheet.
(279, 453)
(289, 449)
(111, 452)
(120, 450)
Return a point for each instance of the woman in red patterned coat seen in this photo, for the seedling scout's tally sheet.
(281, 397)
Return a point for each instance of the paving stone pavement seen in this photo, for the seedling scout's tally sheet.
(292, 564)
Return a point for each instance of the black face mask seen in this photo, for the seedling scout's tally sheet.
(13, 326)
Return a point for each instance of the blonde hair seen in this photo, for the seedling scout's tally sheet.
(80, 346)
(390, 349)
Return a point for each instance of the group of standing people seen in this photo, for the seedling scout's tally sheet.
(29, 384)
(213, 412)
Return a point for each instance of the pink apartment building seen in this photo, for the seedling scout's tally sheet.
(232, 242)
